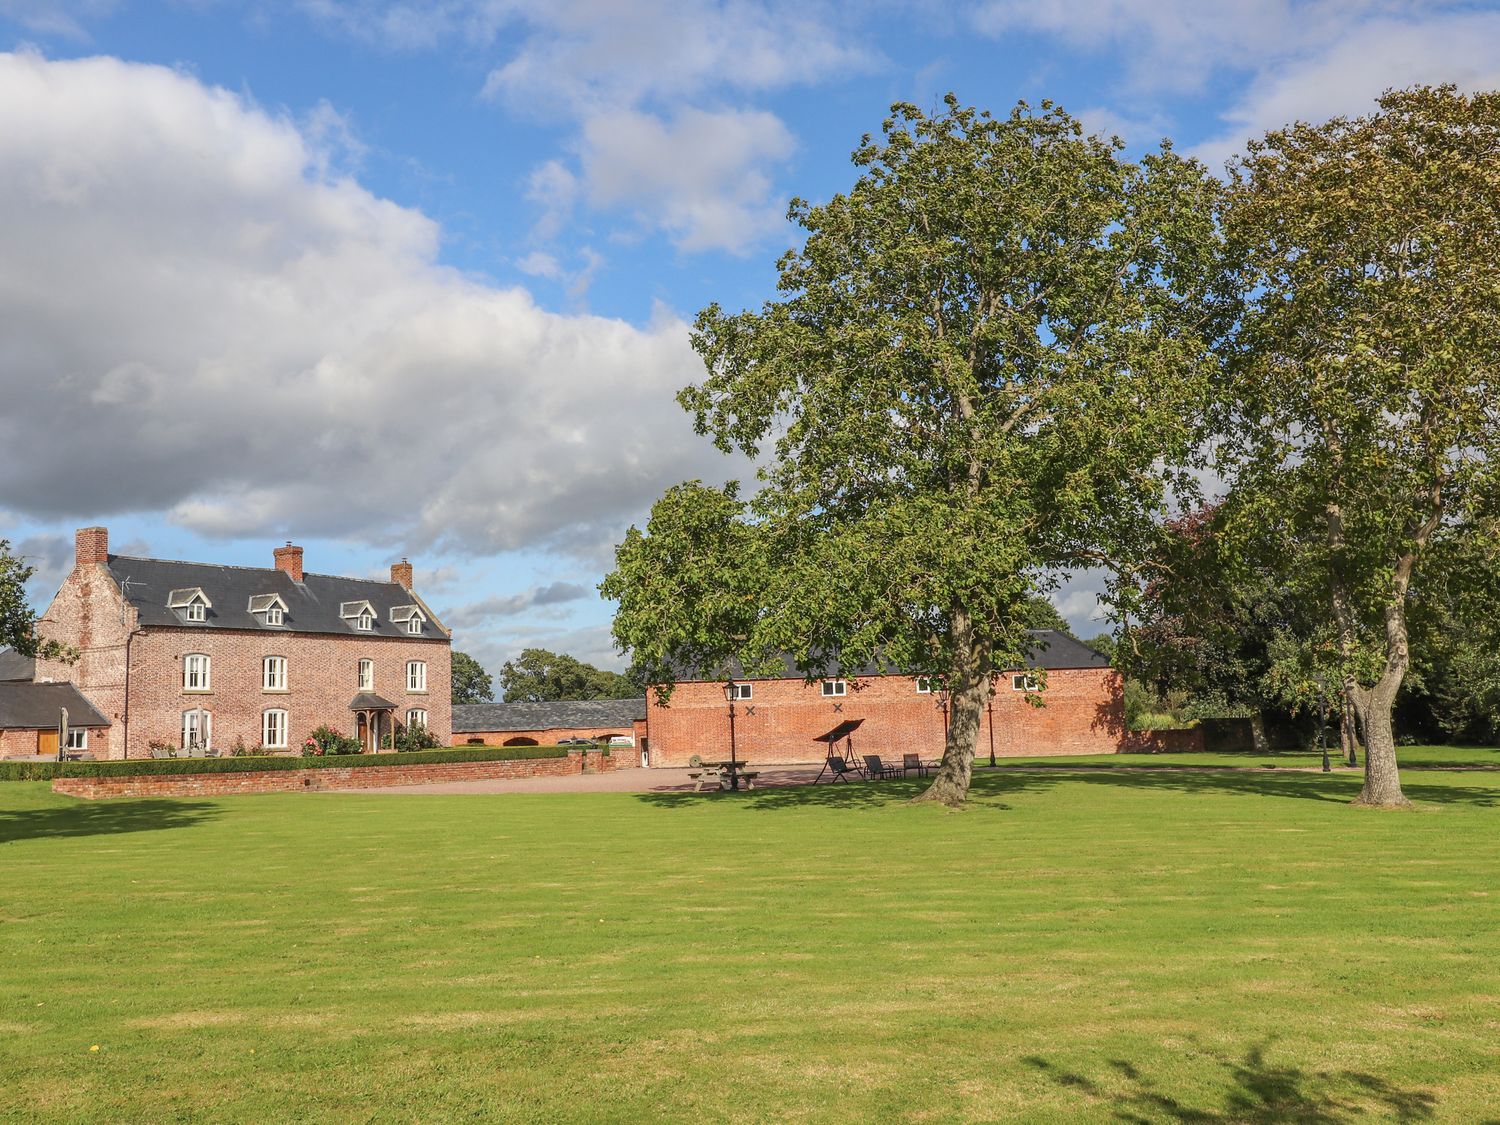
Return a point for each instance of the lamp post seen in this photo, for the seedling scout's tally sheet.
(989, 712)
(1323, 722)
(731, 693)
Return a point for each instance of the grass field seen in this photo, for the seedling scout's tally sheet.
(1163, 945)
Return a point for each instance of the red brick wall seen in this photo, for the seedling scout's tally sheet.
(22, 743)
(89, 614)
(551, 736)
(322, 779)
(1083, 714)
(322, 677)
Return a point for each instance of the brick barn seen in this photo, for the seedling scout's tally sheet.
(778, 720)
(31, 713)
(224, 656)
(547, 724)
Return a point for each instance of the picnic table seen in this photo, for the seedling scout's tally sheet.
(734, 771)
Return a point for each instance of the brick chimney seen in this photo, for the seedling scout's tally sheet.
(289, 559)
(91, 545)
(401, 573)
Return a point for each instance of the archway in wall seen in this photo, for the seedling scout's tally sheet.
(519, 742)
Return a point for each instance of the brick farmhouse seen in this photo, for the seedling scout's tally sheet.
(222, 656)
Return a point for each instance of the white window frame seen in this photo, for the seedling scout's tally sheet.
(269, 679)
(834, 689)
(78, 738)
(365, 675)
(924, 685)
(189, 725)
(414, 625)
(195, 611)
(416, 675)
(191, 669)
(271, 729)
(744, 691)
(365, 623)
(416, 717)
(273, 615)
(1020, 681)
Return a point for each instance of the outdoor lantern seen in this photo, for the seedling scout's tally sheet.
(731, 690)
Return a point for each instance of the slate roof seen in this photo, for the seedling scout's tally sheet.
(25, 706)
(14, 666)
(1053, 650)
(577, 714)
(312, 605)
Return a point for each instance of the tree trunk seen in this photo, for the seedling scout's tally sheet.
(1382, 787)
(1258, 740)
(970, 689)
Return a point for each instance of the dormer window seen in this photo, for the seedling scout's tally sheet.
(359, 615)
(191, 604)
(269, 609)
(410, 616)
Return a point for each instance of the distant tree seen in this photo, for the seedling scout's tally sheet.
(1363, 393)
(1104, 644)
(471, 683)
(1040, 613)
(17, 619)
(538, 676)
(978, 370)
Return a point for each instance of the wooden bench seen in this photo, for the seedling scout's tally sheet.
(703, 777)
(749, 779)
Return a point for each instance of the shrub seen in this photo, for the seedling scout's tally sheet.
(42, 771)
(328, 740)
(415, 737)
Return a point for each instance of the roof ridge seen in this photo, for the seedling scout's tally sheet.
(263, 569)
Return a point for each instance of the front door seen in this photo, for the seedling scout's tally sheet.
(46, 743)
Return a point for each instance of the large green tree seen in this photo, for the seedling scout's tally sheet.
(979, 363)
(538, 676)
(17, 618)
(1364, 403)
(471, 683)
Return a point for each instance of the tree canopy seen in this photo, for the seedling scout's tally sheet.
(17, 618)
(985, 362)
(540, 676)
(471, 683)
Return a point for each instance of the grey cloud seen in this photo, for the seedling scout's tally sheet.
(476, 613)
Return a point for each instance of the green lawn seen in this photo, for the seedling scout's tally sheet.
(1166, 945)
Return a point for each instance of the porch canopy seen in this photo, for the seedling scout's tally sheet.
(369, 707)
(841, 733)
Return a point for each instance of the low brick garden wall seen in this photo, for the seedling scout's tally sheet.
(328, 777)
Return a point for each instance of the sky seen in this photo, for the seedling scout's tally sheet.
(415, 279)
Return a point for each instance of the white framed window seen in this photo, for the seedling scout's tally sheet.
(78, 738)
(1021, 682)
(924, 685)
(273, 673)
(273, 729)
(414, 624)
(196, 672)
(416, 717)
(197, 728)
(416, 675)
(365, 622)
(273, 615)
(835, 687)
(744, 691)
(367, 675)
(194, 611)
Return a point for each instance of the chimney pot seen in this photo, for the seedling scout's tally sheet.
(91, 545)
(289, 559)
(401, 573)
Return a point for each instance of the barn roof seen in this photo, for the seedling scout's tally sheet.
(28, 706)
(14, 666)
(572, 714)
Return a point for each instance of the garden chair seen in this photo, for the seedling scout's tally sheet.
(837, 766)
(158, 752)
(877, 770)
(195, 752)
(914, 762)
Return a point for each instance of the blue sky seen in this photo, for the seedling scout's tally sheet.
(414, 279)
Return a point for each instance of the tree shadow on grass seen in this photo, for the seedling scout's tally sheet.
(1338, 789)
(1259, 1092)
(103, 819)
(990, 787)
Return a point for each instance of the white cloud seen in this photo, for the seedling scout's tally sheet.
(510, 605)
(1349, 75)
(196, 322)
(65, 18)
(699, 176)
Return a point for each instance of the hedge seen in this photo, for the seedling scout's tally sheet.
(42, 771)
